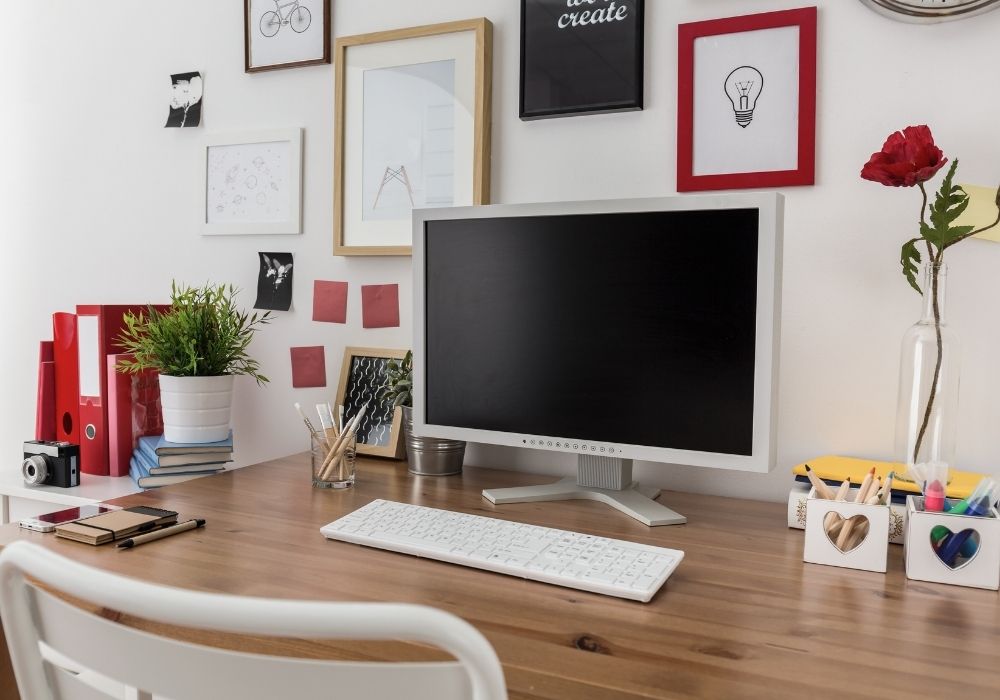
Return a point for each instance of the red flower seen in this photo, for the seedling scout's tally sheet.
(906, 159)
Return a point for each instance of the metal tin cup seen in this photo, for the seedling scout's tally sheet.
(336, 470)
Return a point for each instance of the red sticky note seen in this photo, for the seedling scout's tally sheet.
(380, 305)
(308, 367)
(330, 301)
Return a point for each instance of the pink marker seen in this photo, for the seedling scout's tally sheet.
(934, 497)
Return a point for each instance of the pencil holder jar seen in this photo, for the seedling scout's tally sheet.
(961, 550)
(333, 461)
(846, 534)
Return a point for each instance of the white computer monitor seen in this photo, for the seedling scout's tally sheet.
(615, 330)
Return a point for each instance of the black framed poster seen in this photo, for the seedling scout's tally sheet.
(580, 57)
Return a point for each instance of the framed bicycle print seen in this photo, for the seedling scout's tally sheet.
(285, 34)
(411, 130)
(747, 102)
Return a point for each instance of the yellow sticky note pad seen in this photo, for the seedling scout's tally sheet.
(982, 211)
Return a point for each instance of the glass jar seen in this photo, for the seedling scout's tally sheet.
(333, 461)
(927, 409)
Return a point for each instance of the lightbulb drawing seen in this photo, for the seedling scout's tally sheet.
(743, 87)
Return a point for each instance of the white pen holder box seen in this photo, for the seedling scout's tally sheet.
(976, 564)
(847, 534)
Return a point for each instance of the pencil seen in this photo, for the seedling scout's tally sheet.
(865, 484)
(848, 526)
(822, 490)
(830, 522)
(887, 489)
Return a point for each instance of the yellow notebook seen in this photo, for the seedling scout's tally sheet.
(833, 468)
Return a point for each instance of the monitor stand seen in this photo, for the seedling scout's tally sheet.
(605, 479)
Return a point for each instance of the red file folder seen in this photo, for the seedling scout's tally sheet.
(67, 406)
(45, 407)
(98, 328)
(133, 411)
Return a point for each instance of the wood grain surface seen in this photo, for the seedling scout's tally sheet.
(742, 617)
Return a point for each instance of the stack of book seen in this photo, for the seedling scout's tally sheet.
(157, 462)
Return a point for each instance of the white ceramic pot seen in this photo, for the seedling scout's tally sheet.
(196, 409)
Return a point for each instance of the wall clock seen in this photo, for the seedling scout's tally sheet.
(931, 10)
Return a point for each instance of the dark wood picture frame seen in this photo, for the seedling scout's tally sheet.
(327, 39)
(396, 448)
(805, 174)
(636, 103)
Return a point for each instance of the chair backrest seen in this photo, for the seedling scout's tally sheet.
(36, 622)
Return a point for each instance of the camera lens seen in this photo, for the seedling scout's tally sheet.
(35, 470)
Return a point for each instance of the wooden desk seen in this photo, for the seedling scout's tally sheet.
(741, 617)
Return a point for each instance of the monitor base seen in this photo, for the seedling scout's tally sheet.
(636, 500)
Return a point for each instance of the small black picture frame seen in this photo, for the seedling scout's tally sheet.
(581, 57)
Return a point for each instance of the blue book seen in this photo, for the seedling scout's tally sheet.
(160, 462)
(174, 448)
(145, 480)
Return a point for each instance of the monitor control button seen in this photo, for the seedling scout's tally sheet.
(602, 449)
(550, 443)
(576, 446)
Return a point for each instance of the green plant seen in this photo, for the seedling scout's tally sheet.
(399, 381)
(203, 334)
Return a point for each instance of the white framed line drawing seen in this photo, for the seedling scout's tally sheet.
(252, 183)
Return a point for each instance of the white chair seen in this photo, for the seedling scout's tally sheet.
(43, 632)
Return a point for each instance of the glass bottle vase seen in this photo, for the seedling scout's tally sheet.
(927, 409)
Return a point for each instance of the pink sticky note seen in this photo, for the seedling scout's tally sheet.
(308, 367)
(380, 305)
(330, 301)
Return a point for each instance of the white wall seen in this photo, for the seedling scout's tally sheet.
(100, 203)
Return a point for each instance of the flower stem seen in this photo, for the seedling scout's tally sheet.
(935, 272)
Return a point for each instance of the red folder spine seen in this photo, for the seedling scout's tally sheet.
(98, 328)
(64, 352)
(119, 418)
(133, 411)
(45, 408)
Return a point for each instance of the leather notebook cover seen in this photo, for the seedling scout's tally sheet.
(108, 527)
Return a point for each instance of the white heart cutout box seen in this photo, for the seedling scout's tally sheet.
(870, 554)
(982, 570)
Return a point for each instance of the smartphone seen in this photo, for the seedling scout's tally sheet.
(47, 522)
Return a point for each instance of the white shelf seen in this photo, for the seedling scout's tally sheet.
(92, 489)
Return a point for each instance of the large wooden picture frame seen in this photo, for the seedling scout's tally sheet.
(746, 107)
(412, 122)
(362, 380)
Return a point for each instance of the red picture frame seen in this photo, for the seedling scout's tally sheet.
(805, 172)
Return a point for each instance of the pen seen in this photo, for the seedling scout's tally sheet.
(161, 533)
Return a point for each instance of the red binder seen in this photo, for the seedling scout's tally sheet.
(133, 411)
(67, 406)
(97, 329)
(45, 408)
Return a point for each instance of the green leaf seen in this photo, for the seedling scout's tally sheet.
(910, 259)
(949, 204)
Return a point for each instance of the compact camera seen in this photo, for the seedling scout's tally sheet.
(51, 464)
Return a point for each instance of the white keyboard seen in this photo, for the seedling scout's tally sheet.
(589, 563)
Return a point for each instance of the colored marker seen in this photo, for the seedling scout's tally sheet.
(934, 496)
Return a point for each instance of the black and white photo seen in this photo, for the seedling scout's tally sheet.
(186, 91)
(274, 282)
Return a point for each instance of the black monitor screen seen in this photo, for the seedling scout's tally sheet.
(634, 328)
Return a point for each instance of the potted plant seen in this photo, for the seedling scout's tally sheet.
(427, 456)
(197, 346)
